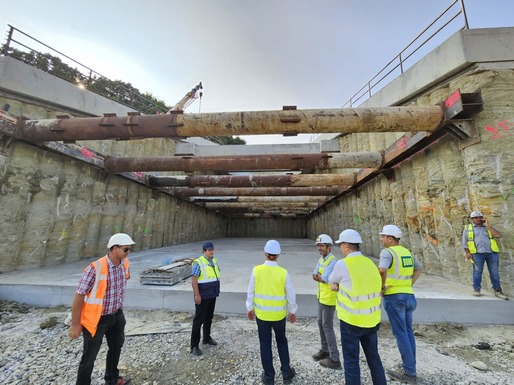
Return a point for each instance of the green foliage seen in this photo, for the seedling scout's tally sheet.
(116, 90)
(226, 139)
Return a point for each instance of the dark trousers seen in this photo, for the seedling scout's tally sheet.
(113, 327)
(203, 316)
(351, 336)
(279, 327)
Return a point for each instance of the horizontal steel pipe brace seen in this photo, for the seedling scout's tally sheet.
(309, 180)
(341, 120)
(219, 163)
(99, 128)
(186, 192)
(276, 200)
(260, 205)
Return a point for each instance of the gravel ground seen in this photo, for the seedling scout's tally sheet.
(35, 349)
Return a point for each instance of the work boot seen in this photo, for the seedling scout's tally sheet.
(320, 355)
(195, 351)
(400, 375)
(500, 295)
(476, 293)
(209, 341)
(265, 381)
(289, 379)
(330, 363)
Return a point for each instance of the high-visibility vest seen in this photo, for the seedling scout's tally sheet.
(399, 275)
(325, 295)
(270, 292)
(471, 240)
(360, 306)
(93, 301)
(209, 278)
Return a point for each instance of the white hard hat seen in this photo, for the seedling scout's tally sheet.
(324, 238)
(349, 236)
(120, 239)
(272, 247)
(391, 230)
(476, 214)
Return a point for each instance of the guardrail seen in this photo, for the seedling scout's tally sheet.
(83, 76)
(399, 60)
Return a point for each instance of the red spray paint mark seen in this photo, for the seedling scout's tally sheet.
(87, 153)
(501, 128)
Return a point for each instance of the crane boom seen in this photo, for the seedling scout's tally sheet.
(188, 98)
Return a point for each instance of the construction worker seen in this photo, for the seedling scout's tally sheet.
(479, 244)
(97, 310)
(358, 284)
(206, 287)
(399, 271)
(270, 297)
(328, 355)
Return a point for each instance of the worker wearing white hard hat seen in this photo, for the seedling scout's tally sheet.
(270, 298)
(358, 285)
(480, 245)
(399, 270)
(97, 310)
(328, 355)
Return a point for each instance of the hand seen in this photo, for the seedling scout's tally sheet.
(292, 318)
(334, 287)
(250, 315)
(75, 331)
(198, 299)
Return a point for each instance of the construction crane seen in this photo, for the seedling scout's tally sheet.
(189, 98)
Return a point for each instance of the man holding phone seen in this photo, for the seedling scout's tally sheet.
(480, 246)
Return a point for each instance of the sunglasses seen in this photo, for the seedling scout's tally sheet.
(126, 249)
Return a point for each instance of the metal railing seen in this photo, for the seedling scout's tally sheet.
(399, 60)
(86, 76)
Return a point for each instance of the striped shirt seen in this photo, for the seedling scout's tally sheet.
(116, 285)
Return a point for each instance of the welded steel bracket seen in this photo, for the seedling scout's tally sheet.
(459, 114)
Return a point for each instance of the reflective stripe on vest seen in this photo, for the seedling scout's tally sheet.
(471, 241)
(360, 306)
(399, 275)
(325, 295)
(93, 301)
(207, 272)
(270, 294)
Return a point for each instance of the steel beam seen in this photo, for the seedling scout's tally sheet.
(310, 180)
(186, 192)
(245, 162)
(289, 122)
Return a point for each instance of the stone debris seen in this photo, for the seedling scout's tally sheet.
(156, 351)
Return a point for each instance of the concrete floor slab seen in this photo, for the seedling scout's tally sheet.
(439, 300)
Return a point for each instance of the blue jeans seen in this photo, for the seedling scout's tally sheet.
(279, 327)
(113, 327)
(399, 308)
(351, 336)
(492, 261)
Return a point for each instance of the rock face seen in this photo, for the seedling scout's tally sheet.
(56, 210)
(433, 192)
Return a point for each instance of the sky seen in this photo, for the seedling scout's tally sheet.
(249, 55)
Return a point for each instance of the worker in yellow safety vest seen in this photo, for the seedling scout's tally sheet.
(97, 310)
(270, 298)
(328, 355)
(479, 244)
(399, 270)
(205, 282)
(358, 285)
